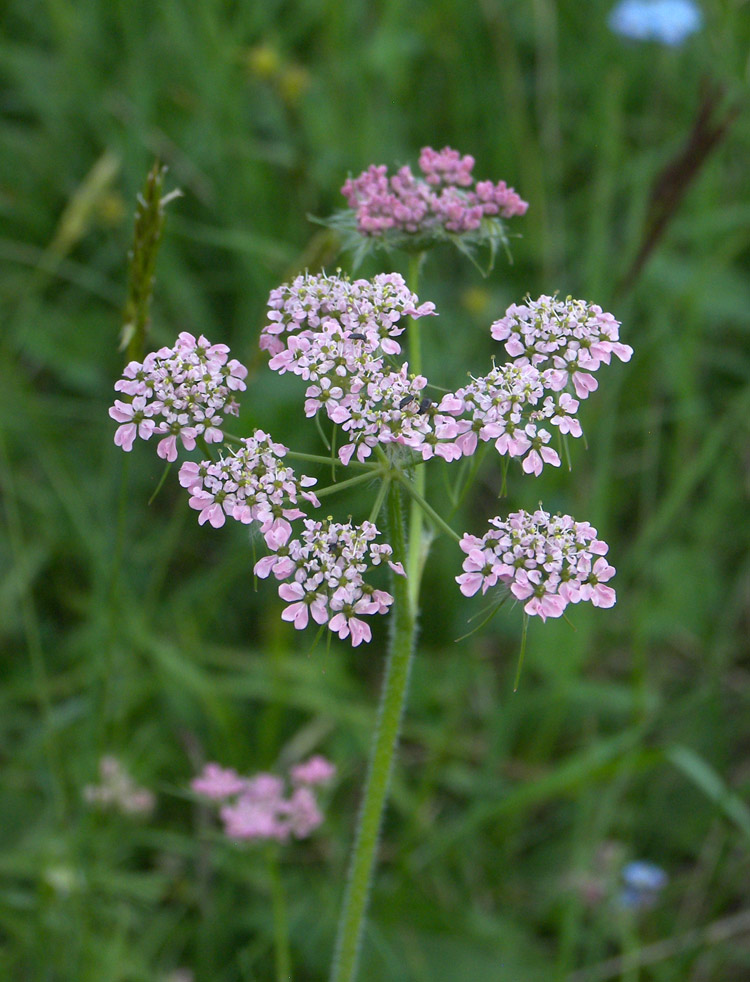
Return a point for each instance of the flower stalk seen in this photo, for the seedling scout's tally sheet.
(390, 713)
(417, 545)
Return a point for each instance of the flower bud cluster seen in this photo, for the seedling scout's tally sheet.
(565, 339)
(260, 808)
(545, 561)
(445, 198)
(369, 309)
(326, 567)
(249, 485)
(182, 392)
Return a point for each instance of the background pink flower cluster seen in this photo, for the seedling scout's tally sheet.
(546, 561)
(261, 808)
(118, 791)
(445, 197)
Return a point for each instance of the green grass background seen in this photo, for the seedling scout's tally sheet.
(127, 629)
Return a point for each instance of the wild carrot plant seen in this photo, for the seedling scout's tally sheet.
(382, 424)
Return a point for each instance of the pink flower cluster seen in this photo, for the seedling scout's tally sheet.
(565, 339)
(249, 485)
(178, 392)
(445, 198)
(340, 345)
(326, 566)
(508, 406)
(259, 808)
(368, 309)
(374, 404)
(349, 379)
(546, 561)
(117, 790)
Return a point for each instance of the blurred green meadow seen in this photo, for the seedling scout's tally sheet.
(125, 629)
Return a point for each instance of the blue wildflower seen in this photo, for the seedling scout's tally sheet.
(642, 884)
(667, 21)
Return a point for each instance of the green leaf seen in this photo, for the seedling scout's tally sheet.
(711, 784)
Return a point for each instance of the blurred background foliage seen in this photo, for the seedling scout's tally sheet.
(128, 630)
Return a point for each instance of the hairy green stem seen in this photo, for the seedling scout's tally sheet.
(412, 556)
(417, 546)
(392, 702)
(476, 462)
(382, 492)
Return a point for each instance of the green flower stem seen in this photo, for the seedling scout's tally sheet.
(319, 427)
(415, 347)
(317, 459)
(476, 463)
(160, 485)
(395, 683)
(392, 702)
(382, 492)
(280, 923)
(333, 488)
(427, 509)
(417, 545)
(204, 448)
